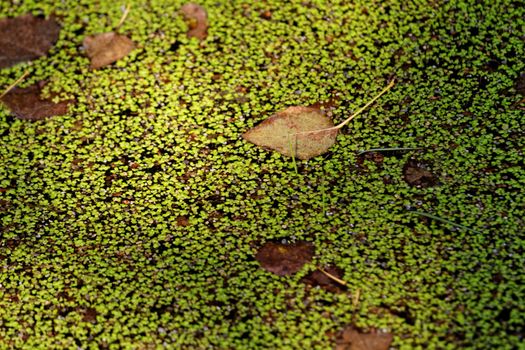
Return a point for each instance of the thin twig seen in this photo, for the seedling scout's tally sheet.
(10, 87)
(340, 125)
(329, 275)
(123, 18)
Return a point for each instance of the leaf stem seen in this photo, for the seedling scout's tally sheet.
(292, 151)
(359, 111)
(123, 18)
(329, 275)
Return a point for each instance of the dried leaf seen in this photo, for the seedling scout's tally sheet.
(284, 132)
(25, 38)
(352, 339)
(89, 314)
(416, 175)
(25, 103)
(284, 259)
(197, 19)
(106, 48)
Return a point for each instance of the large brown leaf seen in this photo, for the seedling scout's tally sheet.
(352, 339)
(26, 103)
(285, 132)
(106, 48)
(25, 38)
(197, 19)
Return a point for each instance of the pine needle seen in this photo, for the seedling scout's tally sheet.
(388, 149)
(437, 218)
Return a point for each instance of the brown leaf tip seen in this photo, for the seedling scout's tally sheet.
(285, 259)
(197, 20)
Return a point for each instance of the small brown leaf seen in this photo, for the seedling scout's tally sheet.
(183, 221)
(106, 48)
(352, 339)
(285, 132)
(25, 38)
(415, 174)
(89, 315)
(197, 19)
(25, 103)
(284, 259)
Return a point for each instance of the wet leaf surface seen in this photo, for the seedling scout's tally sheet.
(197, 20)
(25, 38)
(106, 48)
(26, 103)
(352, 339)
(89, 315)
(318, 279)
(416, 174)
(284, 259)
(279, 132)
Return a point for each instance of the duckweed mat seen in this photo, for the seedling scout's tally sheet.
(133, 221)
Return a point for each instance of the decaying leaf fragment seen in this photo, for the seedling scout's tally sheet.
(26, 103)
(284, 259)
(416, 174)
(352, 339)
(197, 19)
(106, 48)
(25, 38)
(284, 132)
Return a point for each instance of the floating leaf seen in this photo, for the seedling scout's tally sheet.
(25, 38)
(283, 132)
(25, 103)
(302, 132)
(197, 19)
(89, 314)
(352, 339)
(415, 174)
(284, 259)
(106, 48)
